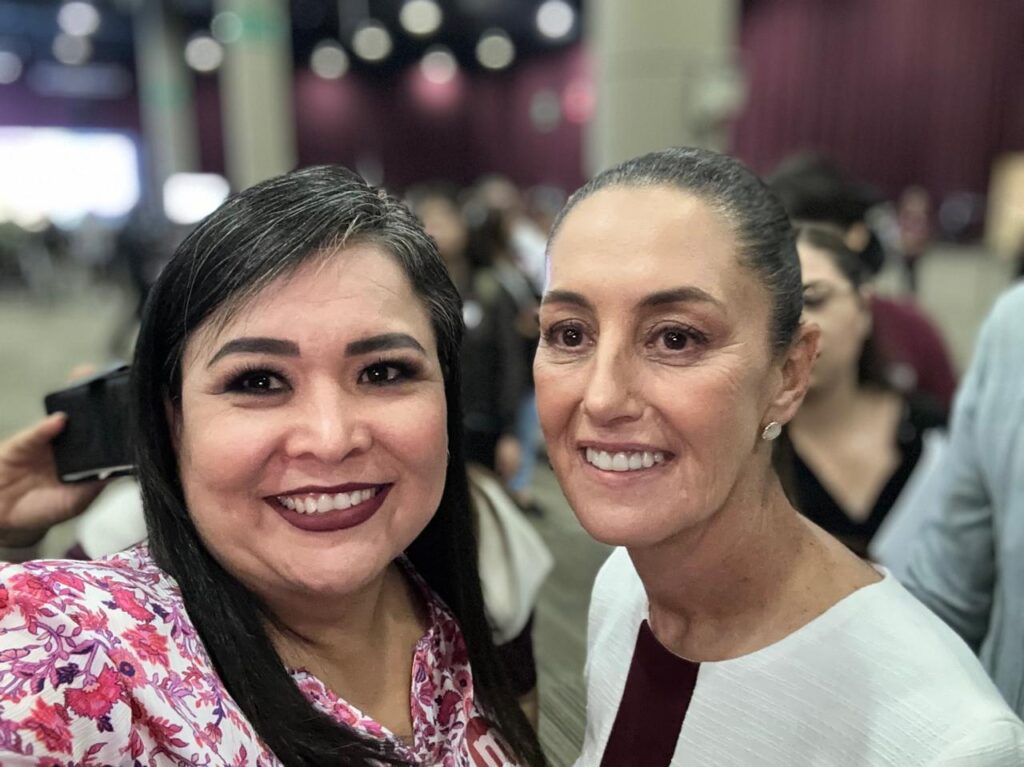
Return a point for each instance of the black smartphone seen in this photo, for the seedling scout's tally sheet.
(95, 440)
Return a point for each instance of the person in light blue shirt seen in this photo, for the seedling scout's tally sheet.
(967, 563)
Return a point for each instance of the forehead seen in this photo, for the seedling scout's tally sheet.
(817, 265)
(355, 290)
(646, 239)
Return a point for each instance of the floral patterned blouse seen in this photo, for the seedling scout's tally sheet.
(101, 665)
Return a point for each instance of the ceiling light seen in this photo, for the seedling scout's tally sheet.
(420, 17)
(495, 49)
(329, 60)
(372, 41)
(71, 49)
(78, 18)
(555, 19)
(10, 67)
(203, 53)
(438, 65)
(227, 27)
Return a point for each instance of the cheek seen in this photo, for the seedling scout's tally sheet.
(223, 451)
(557, 394)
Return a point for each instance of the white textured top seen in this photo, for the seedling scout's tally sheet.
(875, 680)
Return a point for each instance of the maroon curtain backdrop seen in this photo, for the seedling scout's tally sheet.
(414, 131)
(897, 91)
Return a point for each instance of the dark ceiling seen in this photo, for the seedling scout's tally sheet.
(28, 28)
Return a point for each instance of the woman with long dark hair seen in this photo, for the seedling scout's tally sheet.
(309, 593)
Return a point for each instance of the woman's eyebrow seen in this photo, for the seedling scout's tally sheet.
(383, 342)
(683, 295)
(256, 345)
(566, 297)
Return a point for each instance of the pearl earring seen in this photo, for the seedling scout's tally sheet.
(771, 431)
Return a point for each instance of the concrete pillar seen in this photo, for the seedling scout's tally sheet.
(256, 93)
(666, 74)
(166, 100)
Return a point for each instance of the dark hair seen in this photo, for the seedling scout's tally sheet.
(871, 365)
(258, 235)
(757, 217)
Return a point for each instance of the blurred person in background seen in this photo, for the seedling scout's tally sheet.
(495, 374)
(967, 564)
(492, 211)
(914, 219)
(814, 190)
(856, 440)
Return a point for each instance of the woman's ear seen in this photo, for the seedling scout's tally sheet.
(796, 373)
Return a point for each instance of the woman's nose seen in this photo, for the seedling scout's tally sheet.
(611, 389)
(329, 426)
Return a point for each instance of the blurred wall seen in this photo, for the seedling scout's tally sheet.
(898, 91)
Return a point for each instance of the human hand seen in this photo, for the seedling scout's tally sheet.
(32, 497)
(508, 457)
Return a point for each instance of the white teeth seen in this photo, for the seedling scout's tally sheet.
(318, 504)
(622, 461)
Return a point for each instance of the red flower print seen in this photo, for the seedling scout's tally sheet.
(66, 578)
(5, 602)
(446, 708)
(50, 725)
(88, 620)
(96, 698)
(126, 600)
(148, 644)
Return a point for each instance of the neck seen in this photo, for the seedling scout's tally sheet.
(722, 590)
(339, 632)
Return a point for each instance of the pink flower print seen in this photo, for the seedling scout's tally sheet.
(148, 644)
(97, 697)
(88, 620)
(31, 595)
(213, 733)
(129, 671)
(126, 600)
(5, 602)
(50, 725)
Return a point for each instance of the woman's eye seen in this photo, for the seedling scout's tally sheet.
(570, 336)
(384, 373)
(257, 382)
(676, 340)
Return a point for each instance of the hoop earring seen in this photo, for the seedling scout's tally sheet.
(771, 431)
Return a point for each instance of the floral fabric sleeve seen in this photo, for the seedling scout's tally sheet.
(62, 694)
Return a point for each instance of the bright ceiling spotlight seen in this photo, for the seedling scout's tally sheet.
(372, 41)
(329, 60)
(438, 65)
(10, 67)
(420, 17)
(555, 19)
(495, 49)
(203, 53)
(71, 49)
(78, 18)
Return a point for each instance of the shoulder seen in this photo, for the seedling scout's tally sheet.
(998, 743)
(102, 596)
(900, 653)
(1005, 323)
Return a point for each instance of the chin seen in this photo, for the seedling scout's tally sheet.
(628, 526)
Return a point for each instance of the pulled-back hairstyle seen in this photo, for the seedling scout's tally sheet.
(757, 218)
(257, 236)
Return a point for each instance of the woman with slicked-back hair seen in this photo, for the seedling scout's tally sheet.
(309, 592)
